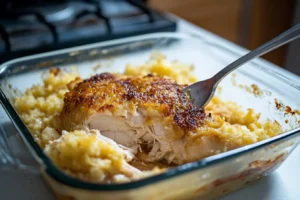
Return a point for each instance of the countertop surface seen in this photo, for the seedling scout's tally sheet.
(280, 185)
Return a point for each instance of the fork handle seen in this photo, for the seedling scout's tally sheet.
(286, 37)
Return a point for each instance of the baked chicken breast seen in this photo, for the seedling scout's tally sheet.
(150, 115)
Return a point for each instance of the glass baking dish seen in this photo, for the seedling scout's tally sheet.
(205, 179)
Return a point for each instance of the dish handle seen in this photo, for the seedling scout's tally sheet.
(14, 155)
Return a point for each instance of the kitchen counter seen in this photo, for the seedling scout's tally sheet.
(280, 185)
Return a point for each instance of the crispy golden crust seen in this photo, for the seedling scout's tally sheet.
(111, 92)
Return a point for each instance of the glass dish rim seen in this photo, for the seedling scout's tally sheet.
(61, 177)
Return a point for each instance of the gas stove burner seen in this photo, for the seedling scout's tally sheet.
(34, 26)
(56, 13)
(53, 13)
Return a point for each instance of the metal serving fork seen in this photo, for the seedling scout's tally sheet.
(201, 92)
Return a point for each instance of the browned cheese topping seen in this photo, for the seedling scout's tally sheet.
(111, 92)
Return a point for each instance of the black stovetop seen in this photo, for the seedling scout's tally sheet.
(35, 26)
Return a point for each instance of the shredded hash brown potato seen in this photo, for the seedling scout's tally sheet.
(41, 103)
(92, 156)
(159, 65)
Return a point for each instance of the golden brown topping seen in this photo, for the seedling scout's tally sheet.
(108, 91)
(189, 118)
(100, 77)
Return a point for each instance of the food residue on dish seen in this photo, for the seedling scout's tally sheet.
(253, 88)
(123, 127)
(285, 108)
(105, 64)
(98, 66)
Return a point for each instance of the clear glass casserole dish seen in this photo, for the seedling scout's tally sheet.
(204, 179)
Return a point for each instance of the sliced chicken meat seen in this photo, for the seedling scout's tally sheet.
(149, 115)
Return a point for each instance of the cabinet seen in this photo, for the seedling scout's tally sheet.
(248, 23)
